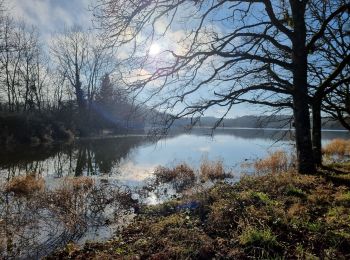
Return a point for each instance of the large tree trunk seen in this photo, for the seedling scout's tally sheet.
(300, 97)
(316, 133)
(303, 136)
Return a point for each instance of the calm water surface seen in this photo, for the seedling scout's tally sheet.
(130, 159)
(119, 165)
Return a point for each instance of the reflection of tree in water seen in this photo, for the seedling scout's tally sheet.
(33, 225)
(87, 157)
(100, 156)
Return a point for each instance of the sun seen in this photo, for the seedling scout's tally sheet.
(154, 49)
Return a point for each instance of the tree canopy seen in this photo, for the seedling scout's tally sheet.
(222, 53)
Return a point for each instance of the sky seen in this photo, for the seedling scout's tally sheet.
(52, 16)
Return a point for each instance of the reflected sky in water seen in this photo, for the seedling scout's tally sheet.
(130, 159)
(122, 170)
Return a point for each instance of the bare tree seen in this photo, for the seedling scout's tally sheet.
(22, 66)
(11, 58)
(30, 69)
(232, 51)
(337, 104)
(80, 60)
(329, 62)
(71, 51)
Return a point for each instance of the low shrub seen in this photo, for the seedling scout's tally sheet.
(272, 216)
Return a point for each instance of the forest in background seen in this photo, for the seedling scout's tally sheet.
(61, 89)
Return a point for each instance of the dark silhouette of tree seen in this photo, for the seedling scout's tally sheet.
(23, 67)
(328, 62)
(252, 51)
(106, 94)
(81, 61)
(71, 51)
(337, 104)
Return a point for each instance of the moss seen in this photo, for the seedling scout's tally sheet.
(315, 226)
(343, 197)
(258, 237)
(291, 190)
(260, 243)
(338, 215)
(172, 221)
(262, 197)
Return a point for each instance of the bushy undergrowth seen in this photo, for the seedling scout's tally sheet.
(271, 216)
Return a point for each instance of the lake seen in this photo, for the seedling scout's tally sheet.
(120, 166)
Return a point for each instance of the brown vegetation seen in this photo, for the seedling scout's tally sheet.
(78, 183)
(337, 147)
(277, 215)
(182, 171)
(52, 217)
(181, 176)
(25, 185)
(277, 161)
(212, 170)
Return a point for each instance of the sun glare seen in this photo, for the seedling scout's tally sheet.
(154, 49)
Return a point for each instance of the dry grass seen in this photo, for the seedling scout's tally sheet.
(276, 162)
(272, 216)
(337, 147)
(25, 185)
(180, 172)
(79, 183)
(212, 170)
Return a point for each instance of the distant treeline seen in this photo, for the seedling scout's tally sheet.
(275, 121)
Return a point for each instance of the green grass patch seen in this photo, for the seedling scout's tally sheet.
(253, 236)
(296, 192)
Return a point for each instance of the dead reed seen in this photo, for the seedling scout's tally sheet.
(276, 162)
(25, 185)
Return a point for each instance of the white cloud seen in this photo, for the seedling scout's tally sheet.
(51, 15)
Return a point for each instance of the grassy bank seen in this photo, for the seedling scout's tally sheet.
(276, 215)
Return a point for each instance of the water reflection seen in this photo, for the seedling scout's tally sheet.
(35, 220)
(84, 158)
(31, 226)
(133, 156)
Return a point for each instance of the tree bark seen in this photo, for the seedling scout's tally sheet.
(316, 133)
(303, 136)
(300, 96)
